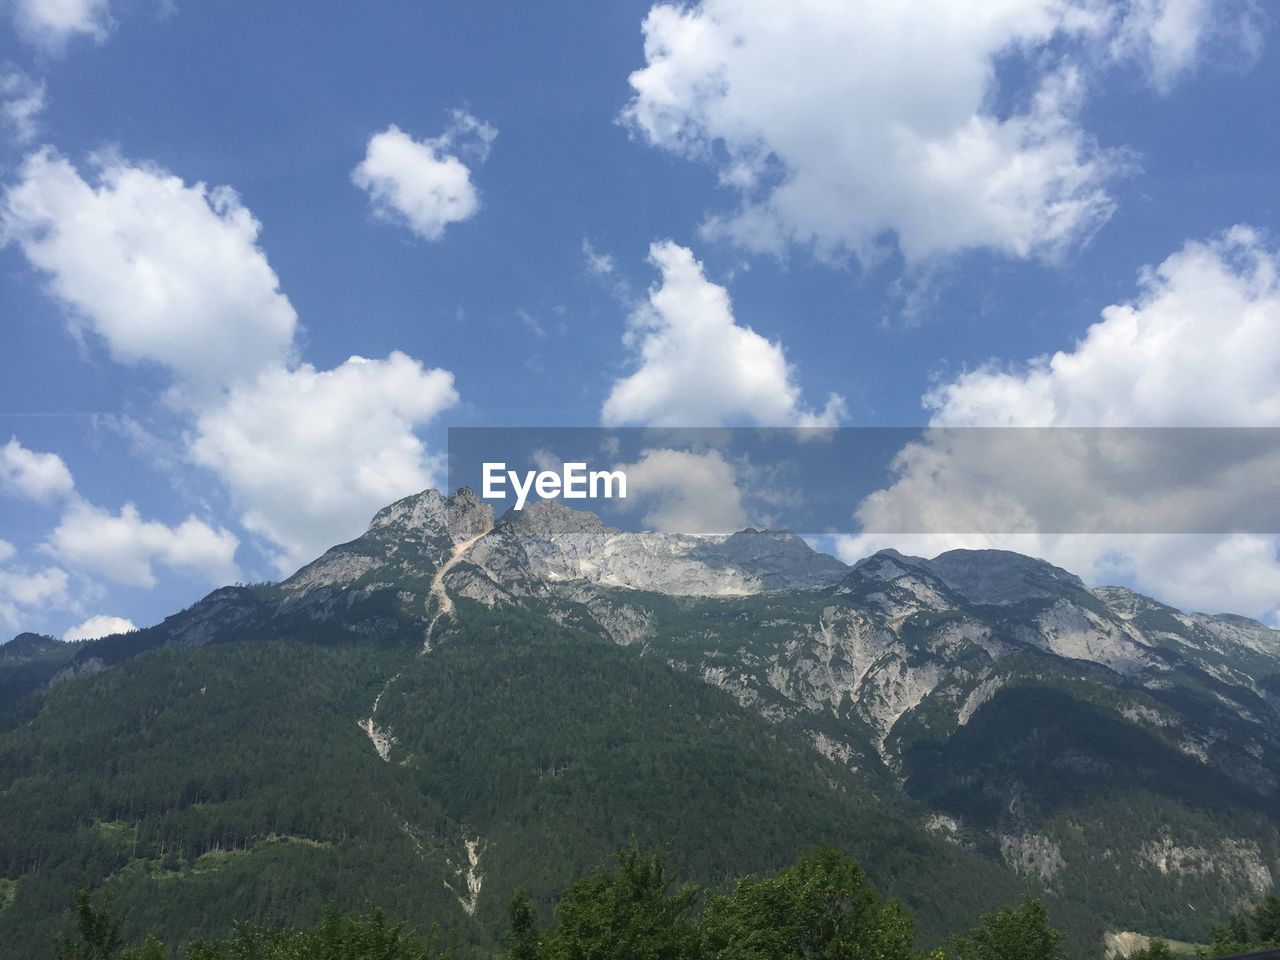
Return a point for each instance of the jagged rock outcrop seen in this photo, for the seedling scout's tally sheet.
(467, 516)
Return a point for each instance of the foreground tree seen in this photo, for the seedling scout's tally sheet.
(97, 935)
(1015, 933)
(521, 940)
(1157, 949)
(629, 914)
(823, 907)
(1252, 930)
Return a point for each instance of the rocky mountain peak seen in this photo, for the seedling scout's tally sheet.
(887, 564)
(896, 583)
(1126, 603)
(413, 533)
(999, 577)
(425, 512)
(552, 518)
(780, 559)
(467, 516)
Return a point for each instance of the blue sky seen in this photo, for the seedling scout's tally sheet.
(872, 204)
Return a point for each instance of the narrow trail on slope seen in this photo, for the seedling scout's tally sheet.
(444, 602)
(381, 737)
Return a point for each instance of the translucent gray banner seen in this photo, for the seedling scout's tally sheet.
(885, 480)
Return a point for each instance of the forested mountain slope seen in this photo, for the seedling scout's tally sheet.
(450, 707)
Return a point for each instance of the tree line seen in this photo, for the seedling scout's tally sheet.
(821, 908)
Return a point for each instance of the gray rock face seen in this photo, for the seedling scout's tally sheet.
(548, 544)
(1001, 577)
(898, 585)
(425, 513)
(551, 518)
(225, 610)
(407, 539)
(777, 558)
(467, 516)
(1126, 603)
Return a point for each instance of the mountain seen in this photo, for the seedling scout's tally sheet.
(452, 706)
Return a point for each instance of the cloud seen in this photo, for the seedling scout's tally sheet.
(51, 24)
(684, 492)
(603, 267)
(420, 183)
(28, 589)
(41, 477)
(172, 274)
(531, 323)
(119, 547)
(309, 456)
(696, 366)
(99, 626)
(1167, 38)
(1199, 346)
(49, 584)
(843, 124)
(162, 271)
(22, 100)
(123, 547)
(599, 263)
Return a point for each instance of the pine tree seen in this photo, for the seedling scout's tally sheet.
(522, 937)
(99, 932)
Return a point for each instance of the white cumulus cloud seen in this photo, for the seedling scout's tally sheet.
(172, 273)
(23, 591)
(161, 270)
(309, 456)
(424, 184)
(49, 584)
(684, 491)
(1199, 346)
(123, 547)
(843, 124)
(51, 24)
(32, 475)
(101, 625)
(696, 366)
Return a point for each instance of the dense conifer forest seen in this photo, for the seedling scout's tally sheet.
(822, 906)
